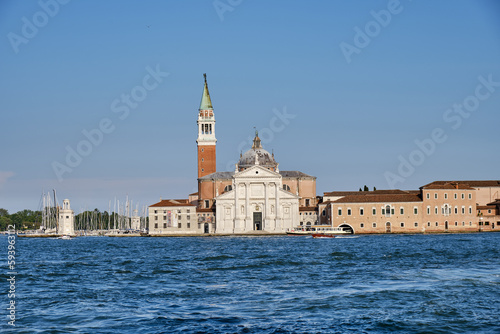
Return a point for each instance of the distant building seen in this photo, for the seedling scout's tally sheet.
(441, 206)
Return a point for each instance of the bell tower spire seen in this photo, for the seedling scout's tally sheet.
(206, 134)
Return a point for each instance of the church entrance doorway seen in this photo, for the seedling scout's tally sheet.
(257, 221)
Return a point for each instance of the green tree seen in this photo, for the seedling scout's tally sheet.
(4, 212)
(4, 223)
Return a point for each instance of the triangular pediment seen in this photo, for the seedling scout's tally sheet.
(257, 172)
(227, 195)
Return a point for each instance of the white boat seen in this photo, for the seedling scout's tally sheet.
(327, 230)
(65, 237)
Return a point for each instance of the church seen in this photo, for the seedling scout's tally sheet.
(255, 198)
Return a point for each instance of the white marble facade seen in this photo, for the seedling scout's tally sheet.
(257, 202)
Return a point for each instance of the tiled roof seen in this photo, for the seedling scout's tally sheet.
(218, 176)
(375, 192)
(473, 183)
(379, 198)
(205, 210)
(294, 173)
(229, 175)
(485, 207)
(172, 202)
(308, 208)
(448, 185)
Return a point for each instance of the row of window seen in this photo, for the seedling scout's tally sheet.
(178, 211)
(402, 224)
(446, 210)
(388, 210)
(446, 196)
(179, 225)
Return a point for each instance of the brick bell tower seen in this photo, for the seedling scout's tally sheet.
(206, 135)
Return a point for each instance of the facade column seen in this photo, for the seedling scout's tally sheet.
(277, 225)
(248, 220)
(237, 209)
(267, 220)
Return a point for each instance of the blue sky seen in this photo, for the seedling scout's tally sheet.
(354, 117)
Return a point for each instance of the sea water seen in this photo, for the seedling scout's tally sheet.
(448, 283)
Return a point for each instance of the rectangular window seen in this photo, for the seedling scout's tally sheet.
(445, 196)
(383, 211)
(463, 196)
(307, 202)
(374, 211)
(156, 217)
(156, 211)
(348, 212)
(435, 196)
(179, 225)
(455, 196)
(179, 217)
(374, 225)
(415, 211)
(164, 225)
(436, 210)
(188, 225)
(428, 196)
(361, 225)
(428, 210)
(456, 210)
(340, 212)
(470, 196)
(361, 211)
(207, 204)
(156, 225)
(437, 224)
(188, 217)
(463, 210)
(402, 224)
(392, 211)
(164, 217)
(429, 224)
(416, 224)
(402, 211)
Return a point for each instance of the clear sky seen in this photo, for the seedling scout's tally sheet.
(392, 94)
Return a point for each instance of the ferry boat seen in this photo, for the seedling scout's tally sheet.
(324, 230)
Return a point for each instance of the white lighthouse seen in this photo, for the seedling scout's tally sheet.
(66, 220)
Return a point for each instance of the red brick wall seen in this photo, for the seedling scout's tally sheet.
(206, 160)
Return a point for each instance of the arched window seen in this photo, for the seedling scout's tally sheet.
(387, 211)
(228, 188)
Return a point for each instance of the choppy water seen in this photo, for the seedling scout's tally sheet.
(386, 283)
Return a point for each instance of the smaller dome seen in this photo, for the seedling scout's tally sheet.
(257, 156)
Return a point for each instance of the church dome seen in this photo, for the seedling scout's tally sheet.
(257, 156)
